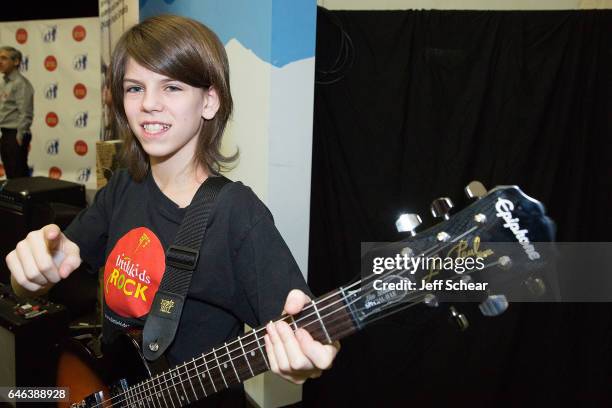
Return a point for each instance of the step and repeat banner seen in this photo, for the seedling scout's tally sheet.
(61, 58)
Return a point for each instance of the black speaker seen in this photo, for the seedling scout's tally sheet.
(30, 332)
(29, 203)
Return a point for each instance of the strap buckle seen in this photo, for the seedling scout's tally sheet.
(182, 257)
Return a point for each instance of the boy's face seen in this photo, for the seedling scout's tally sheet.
(165, 115)
(7, 65)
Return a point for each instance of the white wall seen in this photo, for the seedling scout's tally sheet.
(464, 4)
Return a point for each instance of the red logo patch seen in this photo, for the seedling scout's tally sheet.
(79, 33)
(80, 147)
(50, 63)
(55, 172)
(21, 35)
(79, 91)
(133, 272)
(51, 119)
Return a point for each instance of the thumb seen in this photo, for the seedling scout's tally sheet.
(68, 265)
(72, 258)
(296, 299)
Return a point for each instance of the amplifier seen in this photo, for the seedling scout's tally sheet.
(29, 203)
(29, 334)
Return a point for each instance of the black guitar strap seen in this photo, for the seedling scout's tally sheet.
(181, 260)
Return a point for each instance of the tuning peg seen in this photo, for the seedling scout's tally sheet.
(494, 305)
(440, 207)
(536, 286)
(459, 318)
(408, 222)
(475, 190)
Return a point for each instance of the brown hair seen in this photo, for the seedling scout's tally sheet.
(187, 51)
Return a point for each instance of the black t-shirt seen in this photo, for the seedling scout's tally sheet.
(244, 273)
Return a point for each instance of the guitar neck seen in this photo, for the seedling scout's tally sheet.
(327, 319)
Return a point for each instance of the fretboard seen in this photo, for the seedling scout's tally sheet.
(327, 319)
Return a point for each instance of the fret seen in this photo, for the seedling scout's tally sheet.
(231, 360)
(261, 349)
(219, 367)
(162, 392)
(171, 374)
(212, 380)
(147, 393)
(195, 366)
(295, 327)
(146, 396)
(336, 316)
(183, 396)
(155, 391)
(178, 371)
(314, 305)
(350, 306)
(191, 383)
(246, 357)
(130, 394)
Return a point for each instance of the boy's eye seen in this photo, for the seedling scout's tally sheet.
(133, 89)
(173, 88)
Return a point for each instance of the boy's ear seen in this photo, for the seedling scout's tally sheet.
(211, 103)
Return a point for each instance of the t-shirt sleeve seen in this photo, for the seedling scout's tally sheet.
(267, 270)
(89, 229)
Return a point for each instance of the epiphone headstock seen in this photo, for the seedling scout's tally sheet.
(503, 228)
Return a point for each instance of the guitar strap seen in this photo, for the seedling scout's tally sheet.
(181, 260)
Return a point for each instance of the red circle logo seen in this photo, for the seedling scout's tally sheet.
(21, 35)
(55, 172)
(80, 91)
(79, 33)
(51, 119)
(133, 272)
(50, 63)
(80, 147)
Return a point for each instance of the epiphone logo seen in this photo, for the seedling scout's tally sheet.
(504, 210)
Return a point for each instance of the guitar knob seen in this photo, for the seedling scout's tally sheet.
(475, 190)
(440, 207)
(493, 305)
(408, 222)
(459, 319)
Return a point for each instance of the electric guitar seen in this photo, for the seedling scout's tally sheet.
(504, 228)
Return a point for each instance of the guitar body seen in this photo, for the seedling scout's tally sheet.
(96, 378)
(503, 215)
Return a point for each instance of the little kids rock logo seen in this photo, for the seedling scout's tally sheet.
(50, 63)
(21, 35)
(133, 271)
(79, 91)
(79, 33)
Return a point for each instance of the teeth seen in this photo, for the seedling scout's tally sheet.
(155, 127)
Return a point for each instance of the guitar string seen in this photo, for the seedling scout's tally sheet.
(339, 334)
(261, 329)
(169, 373)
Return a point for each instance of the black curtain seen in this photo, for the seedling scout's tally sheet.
(412, 105)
